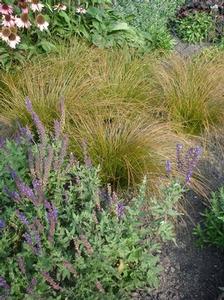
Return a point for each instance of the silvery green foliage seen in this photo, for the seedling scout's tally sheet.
(63, 237)
(151, 17)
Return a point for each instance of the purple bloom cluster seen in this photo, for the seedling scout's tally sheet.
(22, 218)
(120, 208)
(52, 216)
(21, 264)
(13, 195)
(2, 224)
(4, 284)
(31, 286)
(33, 240)
(2, 142)
(168, 167)
(37, 122)
(186, 164)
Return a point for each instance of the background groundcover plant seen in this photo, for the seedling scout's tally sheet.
(29, 27)
(62, 235)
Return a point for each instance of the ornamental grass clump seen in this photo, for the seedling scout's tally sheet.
(190, 92)
(62, 235)
(127, 147)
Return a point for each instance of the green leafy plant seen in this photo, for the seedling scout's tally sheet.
(196, 27)
(211, 231)
(63, 236)
(151, 19)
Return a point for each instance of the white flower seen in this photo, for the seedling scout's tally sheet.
(23, 21)
(8, 21)
(80, 10)
(41, 23)
(60, 7)
(13, 40)
(36, 6)
(215, 7)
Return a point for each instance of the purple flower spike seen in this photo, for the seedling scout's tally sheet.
(37, 121)
(3, 283)
(2, 142)
(31, 286)
(179, 149)
(120, 210)
(168, 167)
(22, 217)
(2, 224)
(21, 264)
(26, 191)
(57, 129)
(28, 239)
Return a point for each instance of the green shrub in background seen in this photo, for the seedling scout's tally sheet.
(42, 27)
(151, 18)
(62, 236)
(196, 27)
(211, 231)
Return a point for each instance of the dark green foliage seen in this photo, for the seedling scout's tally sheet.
(211, 232)
(196, 28)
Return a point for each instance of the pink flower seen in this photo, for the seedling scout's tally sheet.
(41, 23)
(23, 21)
(13, 40)
(5, 9)
(36, 6)
(25, 10)
(8, 20)
(5, 33)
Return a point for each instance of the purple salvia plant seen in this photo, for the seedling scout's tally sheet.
(31, 163)
(29, 241)
(51, 281)
(179, 148)
(70, 267)
(2, 142)
(95, 217)
(4, 284)
(38, 246)
(60, 160)
(38, 166)
(47, 165)
(188, 163)
(120, 208)
(57, 129)
(76, 245)
(22, 218)
(39, 226)
(38, 190)
(26, 191)
(39, 125)
(12, 195)
(52, 215)
(2, 224)
(86, 244)
(31, 286)
(28, 238)
(168, 167)
(192, 157)
(21, 264)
